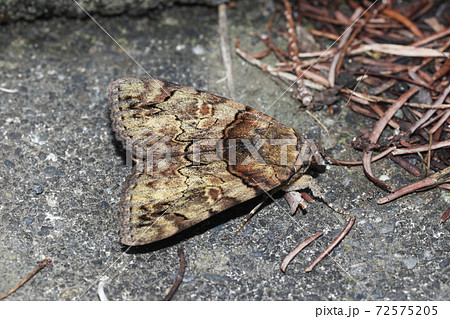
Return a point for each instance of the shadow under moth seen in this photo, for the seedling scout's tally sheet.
(197, 154)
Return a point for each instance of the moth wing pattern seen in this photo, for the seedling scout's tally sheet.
(177, 190)
(143, 111)
(157, 206)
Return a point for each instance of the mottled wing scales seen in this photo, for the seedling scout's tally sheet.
(170, 191)
(157, 206)
(146, 111)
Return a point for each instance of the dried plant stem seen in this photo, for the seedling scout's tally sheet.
(285, 76)
(179, 277)
(422, 148)
(303, 93)
(335, 242)
(404, 20)
(445, 216)
(46, 262)
(376, 133)
(296, 250)
(372, 98)
(436, 179)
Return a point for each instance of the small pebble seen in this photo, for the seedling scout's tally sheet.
(50, 170)
(198, 50)
(410, 263)
(9, 164)
(387, 229)
(38, 189)
(28, 220)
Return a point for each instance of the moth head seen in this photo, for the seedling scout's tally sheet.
(317, 154)
(310, 154)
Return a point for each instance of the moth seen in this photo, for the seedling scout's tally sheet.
(197, 154)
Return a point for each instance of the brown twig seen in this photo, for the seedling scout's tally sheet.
(376, 133)
(403, 20)
(179, 277)
(429, 113)
(335, 242)
(422, 148)
(294, 252)
(372, 98)
(436, 179)
(303, 93)
(405, 164)
(395, 77)
(432, 37)
(344, 44)
(445, 216)
(400, 50)
(46, 262)
(285, 76)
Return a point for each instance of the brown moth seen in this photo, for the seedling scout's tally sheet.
(197, 154)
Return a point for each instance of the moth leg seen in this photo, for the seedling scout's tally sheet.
(253, 212)
(295, 199)
(305, 181)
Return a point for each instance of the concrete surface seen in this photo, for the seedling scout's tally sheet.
(61, 173)
(14, 10)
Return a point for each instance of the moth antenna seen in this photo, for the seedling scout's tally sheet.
(253, 212)
(337, 210)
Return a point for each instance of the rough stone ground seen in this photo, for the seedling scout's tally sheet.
(61, 173)
(14, 10)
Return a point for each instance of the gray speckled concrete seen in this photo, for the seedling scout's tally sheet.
(14, 10)
(61, 173)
